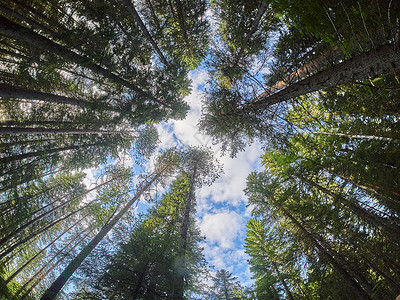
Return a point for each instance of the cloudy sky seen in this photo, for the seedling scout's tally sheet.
(221, 208)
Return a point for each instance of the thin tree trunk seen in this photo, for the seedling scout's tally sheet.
(287, 290)
(18, 16)
(57, 285)
(261, 10)
(8, 159)
(362, 213)
(146, 33)
(7, 123)
(12, 92)
(41, 230)
(153, 14)
(25, 142)
(64, 254)
(382, 60)
(356, 136)
(42, 130)
(28, 178)
(135, 293)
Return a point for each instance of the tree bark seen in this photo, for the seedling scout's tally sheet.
(57, 285)
(64, 254)
(43, 229)
(287, 290)
(356, 136)
(382, 60)
(181, 19)
(334, 54)
(253, 29)
(362, 213)
(184, 233)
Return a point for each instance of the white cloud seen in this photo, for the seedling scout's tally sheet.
(222, 228)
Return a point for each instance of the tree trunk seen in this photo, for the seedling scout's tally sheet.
(362, 213)
(146, 33)
(63, 255)
(42, 130)
(181, 19)
(334, 54)
(41, 230)
(8, 159)
(9, 12)
(382, 60)
(253, 29)
(184, 233)
(57, 285)
(12, 92)
(287, 290)
(356, 136)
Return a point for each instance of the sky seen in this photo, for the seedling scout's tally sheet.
(222, 211)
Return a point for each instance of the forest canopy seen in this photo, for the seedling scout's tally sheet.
(87, 84)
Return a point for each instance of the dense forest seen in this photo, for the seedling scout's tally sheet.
(84, 84)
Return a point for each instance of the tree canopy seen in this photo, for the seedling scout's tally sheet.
(85, 84)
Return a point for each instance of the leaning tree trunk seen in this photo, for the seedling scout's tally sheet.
(57, 285)
(282, 280)
(12, 92)
(355, 136)
(63, 253)
(41, 230)
(41, 130)
(368, 216)
(381, 60)
(131, 8)
(333, 55)
(46, 152)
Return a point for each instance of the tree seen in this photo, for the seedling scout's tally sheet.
(225, 285)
